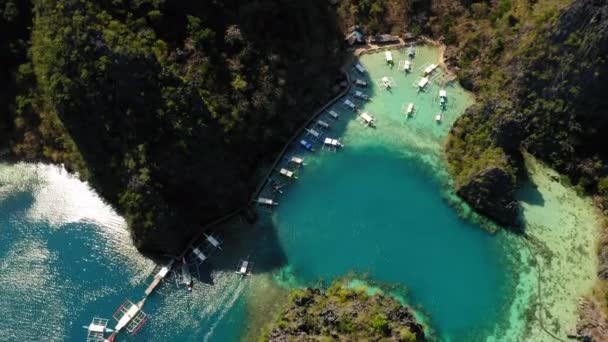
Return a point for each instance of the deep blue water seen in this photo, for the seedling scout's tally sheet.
(65, 257)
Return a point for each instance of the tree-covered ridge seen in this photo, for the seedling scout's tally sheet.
(170, 108)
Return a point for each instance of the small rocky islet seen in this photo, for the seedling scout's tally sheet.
(342, 313)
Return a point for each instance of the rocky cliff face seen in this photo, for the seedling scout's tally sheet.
(490, 192)
(546, 96)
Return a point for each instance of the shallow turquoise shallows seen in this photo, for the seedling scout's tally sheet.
(376, 207)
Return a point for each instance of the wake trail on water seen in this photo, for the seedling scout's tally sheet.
(237, 293)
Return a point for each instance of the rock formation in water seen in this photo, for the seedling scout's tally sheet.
(343, 314)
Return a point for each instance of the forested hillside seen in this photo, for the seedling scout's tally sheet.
(170, 108)
(540, 71)
(538, 68)
(15, 17)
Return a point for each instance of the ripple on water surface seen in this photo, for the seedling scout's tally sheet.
(66, 256)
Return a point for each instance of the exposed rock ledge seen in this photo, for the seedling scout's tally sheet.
(490, 192)
(592, 325)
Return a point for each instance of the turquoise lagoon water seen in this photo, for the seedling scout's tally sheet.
(378, 208)
(387, 220)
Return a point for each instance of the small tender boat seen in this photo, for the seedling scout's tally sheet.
(361, 95)
(244, 267)
(186, 276)
(313, 133)
(438, 118)
(411, 51)
(276, 186)
(307, 145)
(407, 66)
(360, 68)
(267, 201)
(386, 82)
(199, 254)
(389, 57)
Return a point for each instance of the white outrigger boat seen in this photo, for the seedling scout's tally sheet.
(333, 115)
(332, 145)
(410, 109)
(429, 70)
(287, 173)
(438, 118)
(266, 203)
(407, 66)
(296, 161)
(244, 267)
(350, 105)
(386, 82)
(360, 95)
(96, 330)
(130, 317)
(322, 124)
(367, 119)
(389, 57)
(214, 241)
(423, 83)
(360, 83)
(307, 145)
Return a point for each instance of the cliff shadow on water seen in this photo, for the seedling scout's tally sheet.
(257, 241)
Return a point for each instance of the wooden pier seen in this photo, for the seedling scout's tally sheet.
(158, 278)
